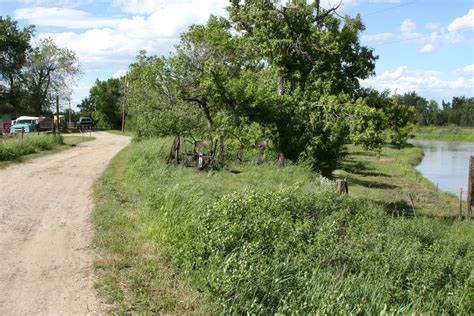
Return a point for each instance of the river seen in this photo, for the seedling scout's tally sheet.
(446, 164)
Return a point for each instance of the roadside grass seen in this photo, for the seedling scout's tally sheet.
(391, 180)
(14, 149)
(268, 240)
(119, 132)
(448, 133)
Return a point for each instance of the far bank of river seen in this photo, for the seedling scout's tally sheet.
(446, 164)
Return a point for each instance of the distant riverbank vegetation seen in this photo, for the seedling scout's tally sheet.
(446, 133)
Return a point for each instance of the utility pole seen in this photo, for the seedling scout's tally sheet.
(69, 113)
(57, 114)
(124, 102)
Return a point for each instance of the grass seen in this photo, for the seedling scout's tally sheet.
(448, 133)
(14, 149)
(119, 132)
(391, 180)
(268, 240)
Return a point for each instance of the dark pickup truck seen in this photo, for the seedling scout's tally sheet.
(84, 122)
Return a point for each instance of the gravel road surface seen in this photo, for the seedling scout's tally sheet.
(46, 256)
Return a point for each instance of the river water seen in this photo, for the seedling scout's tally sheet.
(446, 164)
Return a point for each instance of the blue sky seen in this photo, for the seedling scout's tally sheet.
(423, 45)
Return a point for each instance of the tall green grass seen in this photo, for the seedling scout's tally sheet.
(16, 147)
(269, 240)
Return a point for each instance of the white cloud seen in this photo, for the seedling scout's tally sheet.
(407, 30)
(440, 35)
(428, 48)
(403, 79)
(114, 41)
(119, 74)
(57, 3)
(144, 7)
(59, 17)
(466, 71)
(462, 23)
(377, 37)
(432, 26)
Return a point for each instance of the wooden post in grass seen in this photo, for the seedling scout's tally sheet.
(261, 145)
(281, 160)
(460, 204)
(470, 188)
(342, 186)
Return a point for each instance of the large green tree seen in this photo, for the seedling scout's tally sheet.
(313, 62)
(289, 73)
(51, 71)
(153, 100)
(106, 97)
(14, 48)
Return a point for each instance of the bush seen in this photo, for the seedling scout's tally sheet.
(288, 252)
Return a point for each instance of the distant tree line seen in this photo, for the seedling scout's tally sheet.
(31, 77)
(460, 111)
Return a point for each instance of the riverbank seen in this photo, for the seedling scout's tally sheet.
(448, 133)
(391, 180)
(270, 240)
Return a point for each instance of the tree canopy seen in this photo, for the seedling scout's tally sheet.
(14, 48)
(31, 77)
(287, 73)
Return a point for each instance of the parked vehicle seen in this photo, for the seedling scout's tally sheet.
(84, 122)
(44, 124)
(5, 121)
(31, 124)
(24, 123)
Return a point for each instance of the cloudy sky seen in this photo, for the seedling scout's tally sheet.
(423, 45)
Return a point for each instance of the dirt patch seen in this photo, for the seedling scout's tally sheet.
(46, 266)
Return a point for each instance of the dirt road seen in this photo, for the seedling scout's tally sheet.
(45, 230)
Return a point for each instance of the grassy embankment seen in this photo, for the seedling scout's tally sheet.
(14, 149)
(391, 180)
(448, 133)
(268, 240)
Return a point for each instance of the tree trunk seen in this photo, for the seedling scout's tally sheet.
(280, 84)
(207, 114)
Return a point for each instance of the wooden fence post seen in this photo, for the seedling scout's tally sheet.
(342, 186)
(470, 188)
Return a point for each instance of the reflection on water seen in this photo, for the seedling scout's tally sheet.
(446, 163)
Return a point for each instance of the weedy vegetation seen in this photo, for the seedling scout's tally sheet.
(17, 149)
(268, 240)
(14, 148)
